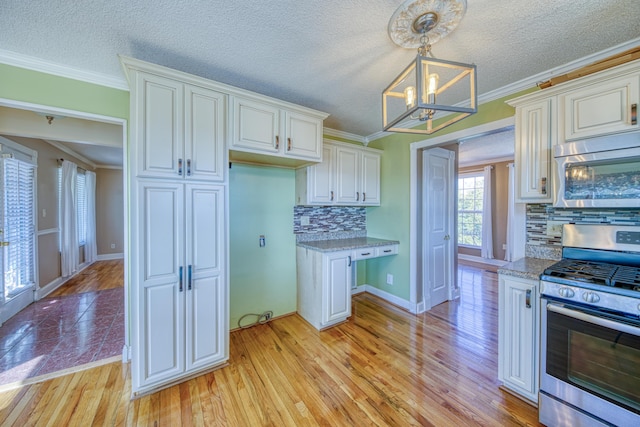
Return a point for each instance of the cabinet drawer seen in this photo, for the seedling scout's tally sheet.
(387, 250)
(364, 253)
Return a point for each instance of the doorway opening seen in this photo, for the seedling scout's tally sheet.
(463, 144)
(67, 303)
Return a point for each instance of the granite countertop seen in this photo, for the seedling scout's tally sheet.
(345, 244)
(526, 268)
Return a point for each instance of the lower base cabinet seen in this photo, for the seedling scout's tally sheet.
(519, 335)
(324, 286)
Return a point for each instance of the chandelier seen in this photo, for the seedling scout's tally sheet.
(428, 89)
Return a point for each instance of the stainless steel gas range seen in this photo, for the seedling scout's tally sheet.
(590, 349)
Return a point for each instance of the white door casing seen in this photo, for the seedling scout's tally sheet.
(437, 270)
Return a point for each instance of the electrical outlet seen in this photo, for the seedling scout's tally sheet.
(261, 241)
(113, 246)
(389, 279)
(504, 246)
(304, 220)
(554, 228)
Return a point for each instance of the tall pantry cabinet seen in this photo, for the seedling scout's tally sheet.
(178, 196)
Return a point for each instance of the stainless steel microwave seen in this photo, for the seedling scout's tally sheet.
(599, 172)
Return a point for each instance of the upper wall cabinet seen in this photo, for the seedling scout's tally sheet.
(181, 131)
(599, 104)
(348, 176)
(599, 109)
(266, 128)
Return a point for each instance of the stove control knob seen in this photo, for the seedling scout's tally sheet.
(591, 297)
(566, 292)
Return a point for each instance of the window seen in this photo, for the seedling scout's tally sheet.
(470, 194)
(19, 227)
(82, 209)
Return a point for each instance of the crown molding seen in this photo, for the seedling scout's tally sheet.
(48, 67)
(328, 132)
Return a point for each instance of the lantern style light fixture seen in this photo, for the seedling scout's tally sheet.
(428, 88)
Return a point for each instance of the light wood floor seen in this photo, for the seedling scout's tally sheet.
(382, 367)
(99, 276)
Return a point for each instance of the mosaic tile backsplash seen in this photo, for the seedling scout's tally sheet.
(329, 222)
(540, 219)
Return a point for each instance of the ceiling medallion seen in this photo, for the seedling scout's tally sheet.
(415, 17)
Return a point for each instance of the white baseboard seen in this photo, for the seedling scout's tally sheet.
(480, 260)
(395, 300)
(57, 282)
(108, 257)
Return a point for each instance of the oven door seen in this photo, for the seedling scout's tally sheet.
(591, 361)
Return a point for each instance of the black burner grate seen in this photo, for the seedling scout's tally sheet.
(599, 273)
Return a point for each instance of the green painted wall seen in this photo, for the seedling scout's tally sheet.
(39, 88)
(261, 203)
(391, 219)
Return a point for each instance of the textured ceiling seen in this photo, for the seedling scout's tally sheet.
(331, 55)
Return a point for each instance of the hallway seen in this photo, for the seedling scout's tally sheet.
(79, 323)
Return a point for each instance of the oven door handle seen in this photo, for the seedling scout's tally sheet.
(606, 323)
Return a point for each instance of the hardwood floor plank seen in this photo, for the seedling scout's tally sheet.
(383, 367)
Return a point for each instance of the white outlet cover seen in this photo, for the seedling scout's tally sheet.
(554, 228)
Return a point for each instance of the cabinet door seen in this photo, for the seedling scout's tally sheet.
(255, 127)
(370, 179)
(320, 179)
(347, 175)
(336, 287)
(158, 311)
(304, 136)
(518, 335)
(206, 310)
(600, 109)
(533, 152)
(204, 134)
(157, 118)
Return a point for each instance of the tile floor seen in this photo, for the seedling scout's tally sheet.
(62, 332)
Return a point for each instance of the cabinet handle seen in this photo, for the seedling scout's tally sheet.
(365, 253)
(188, 167)
(543, 182)
(634, 114)
(288, 144)
(357, 196)
(386, 251)
(180, 167)
(189, 277)
(180, 279)
(332, 196)
(277, 142)
(364, 196)
(527, 298)
(349, 264)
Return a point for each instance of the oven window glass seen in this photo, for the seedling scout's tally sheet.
(604, 179)
(602, 361)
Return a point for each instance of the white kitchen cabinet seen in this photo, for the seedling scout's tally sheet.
(262, 127)
(180, 304)
(180, 129)
(535, 136)
(347, 176)
(178, 226)
(324, 286)
(600, 109)
(519, 335)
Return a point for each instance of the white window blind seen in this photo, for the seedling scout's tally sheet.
(18, 225)
(82, 208)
